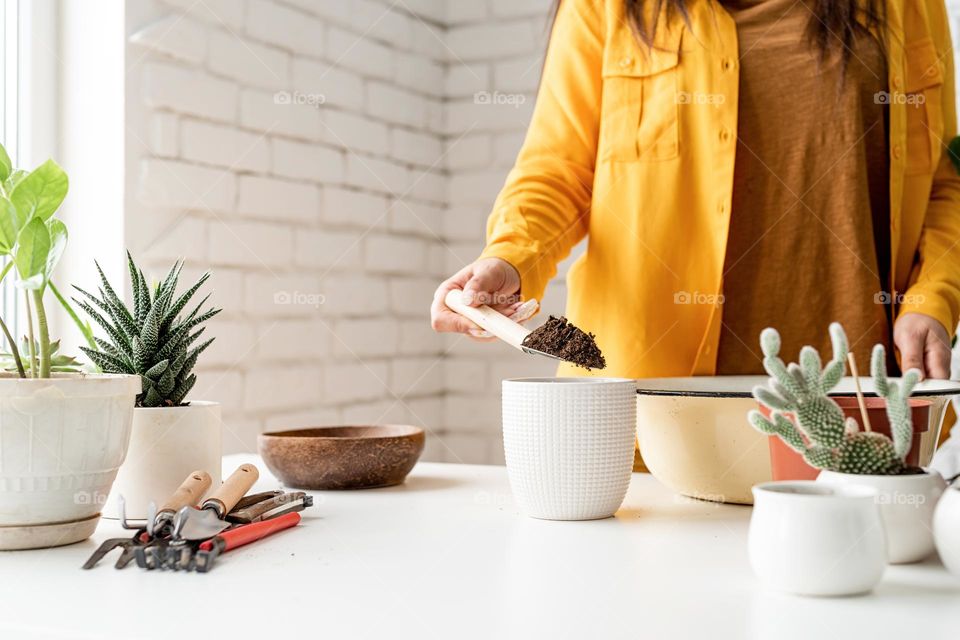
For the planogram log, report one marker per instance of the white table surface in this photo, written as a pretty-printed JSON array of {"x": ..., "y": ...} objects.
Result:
[{"x": 448, "y": 555}]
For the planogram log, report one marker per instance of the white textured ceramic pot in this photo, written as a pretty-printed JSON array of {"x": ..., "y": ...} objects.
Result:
[
  {"x": 906, "y": 504},
  {"x": 946, "y": 528},
  {"x": 810, "y": 538},
  {"x": 61, "y": 442},
  {"x": 167, "y": 444},
  {"x": 568, "y": 444}
]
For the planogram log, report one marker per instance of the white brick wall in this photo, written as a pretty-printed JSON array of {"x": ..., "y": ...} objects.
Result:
[{"x": 330, "y": 163}]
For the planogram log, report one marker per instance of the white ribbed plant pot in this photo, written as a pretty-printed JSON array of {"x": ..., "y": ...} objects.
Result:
[
  {"x": 568, "y": 444},
  {"x": 166, "y": 445},
  {"x": 61, "y": 442}
]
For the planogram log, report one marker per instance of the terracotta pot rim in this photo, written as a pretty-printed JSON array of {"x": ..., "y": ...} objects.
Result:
[
  {"x": 876, "y": 402},
  {"x": 317, "y": 434}
]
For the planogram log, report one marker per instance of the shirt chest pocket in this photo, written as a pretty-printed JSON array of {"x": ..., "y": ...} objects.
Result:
[
  {"x": 639, "y": 118},
  {"x": 923, "y": 102}
]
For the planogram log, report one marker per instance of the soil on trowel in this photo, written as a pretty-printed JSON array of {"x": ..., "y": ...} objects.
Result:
[{"x": 558, "y": 337}]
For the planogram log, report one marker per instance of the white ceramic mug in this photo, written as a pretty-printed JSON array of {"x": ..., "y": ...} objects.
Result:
[
  {"x": 811, "y": 538},
  {"x": 946, "y": 528},
  {"x": 569, "y": 444},
  {"x": 906, "y": 505}
]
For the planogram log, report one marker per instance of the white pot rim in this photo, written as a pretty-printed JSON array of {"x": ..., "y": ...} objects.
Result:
[
  {"x": 899, "y": 478},
  {"x": 192, "y": 404},
  {"x": 71, "y": 384},
  {"x": 569, "y": 380},
  {"x": 813, "y": 490}
]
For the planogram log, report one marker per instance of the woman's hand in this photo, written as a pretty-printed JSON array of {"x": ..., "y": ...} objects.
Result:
[
  {"x": 924, "y": 344},
  {"x": 490, "y": 281}
]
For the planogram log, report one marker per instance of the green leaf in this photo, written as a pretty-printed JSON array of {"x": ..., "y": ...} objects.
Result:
[
  {"x": 15, "y": 178},
  {"x": 41, "y": 192},
  {"x": 5, "y": 165},
  {"x": 9, "y": 225},
  {"x": 33, "y": 248},
  {"x": 58, "y": 241}
]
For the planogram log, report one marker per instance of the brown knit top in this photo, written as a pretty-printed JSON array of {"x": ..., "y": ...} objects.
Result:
[{"x": 809, "y": 232}]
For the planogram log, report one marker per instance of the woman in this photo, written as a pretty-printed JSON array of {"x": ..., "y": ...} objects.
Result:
[{"x": 736, "y": 165}]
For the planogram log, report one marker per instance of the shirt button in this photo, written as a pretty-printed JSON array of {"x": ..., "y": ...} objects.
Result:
[
  {"x": 726, "y": 64},
  {"x": 724, "y": 134},
  {"x": 897, "y": 83},
  {"x": 625, "y": 62},
  {"x": 721, "y": 208},
  {"x": 897, "y": 151}
]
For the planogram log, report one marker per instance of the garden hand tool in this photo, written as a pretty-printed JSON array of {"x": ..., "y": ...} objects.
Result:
[
  {"x": 495, "y": 322},
  {"x": 158, "y": 523},
  {"x": 188, "y": 493},
  {"x": 208, "y": 520},
  {"x": 254, "y": 498},
  {"x": 208, "y": 550},
  {"x": 272, "y": 507}
]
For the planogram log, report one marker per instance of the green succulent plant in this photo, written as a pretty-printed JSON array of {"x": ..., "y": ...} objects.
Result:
[
  {"x": 152, "y": 339},
  {"x": 812, "y": 424},
  {"x": 59, "y": 362}
]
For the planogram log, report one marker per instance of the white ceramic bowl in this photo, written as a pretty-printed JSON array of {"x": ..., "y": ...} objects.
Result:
[
  {"x": 695, "y": 438},
  {"x": 568, "y": 444},
  {"x": 906, "y": 504},
  {"x": 814, "y": 539},
  {"x": 946, "y": 528}
]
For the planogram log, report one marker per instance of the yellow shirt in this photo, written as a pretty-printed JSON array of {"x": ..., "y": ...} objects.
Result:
[{"x": 635, "y": 147}]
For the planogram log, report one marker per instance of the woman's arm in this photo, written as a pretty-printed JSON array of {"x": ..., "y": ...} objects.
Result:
[
  {"x": 543, "y": 209},
  {"x": 935, "y": 292}
]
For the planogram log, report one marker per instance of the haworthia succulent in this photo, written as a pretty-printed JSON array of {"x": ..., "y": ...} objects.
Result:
[{"x": 153, "y": 339}]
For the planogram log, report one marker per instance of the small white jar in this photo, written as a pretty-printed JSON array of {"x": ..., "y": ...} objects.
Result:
[
  {"x": 906, "y": 506},
  {"x": 946, "y": 528},
  {"x": 809, "y": 538}
]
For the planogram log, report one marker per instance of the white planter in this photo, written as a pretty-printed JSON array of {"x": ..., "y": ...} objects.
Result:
[
  {"x": 946, "y": 528},
  {"x": 167, "y": 444},
  {"x": 906, "y": 504},
  {"x": 568, "y": 444},
  {"x": 61, "y": 442},
  {"x": 809, "y": 538}
]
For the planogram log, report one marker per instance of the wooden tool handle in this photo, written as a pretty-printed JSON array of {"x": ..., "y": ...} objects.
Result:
[
  {"x": 493, "y": 321},
  {"x": 252, "y": 532},
  {"x": 190, "y": 492},
  {"x": 234, "y": 488}
]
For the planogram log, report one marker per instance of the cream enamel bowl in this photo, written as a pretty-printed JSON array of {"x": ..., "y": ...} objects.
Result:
[{"x": 695, "y": 439}]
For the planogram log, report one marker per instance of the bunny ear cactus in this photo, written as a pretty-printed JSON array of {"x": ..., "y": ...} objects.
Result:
[{"x": 810, "y": 423}]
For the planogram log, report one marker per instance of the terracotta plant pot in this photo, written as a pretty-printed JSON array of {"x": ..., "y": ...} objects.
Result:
[{"x": 787, "y": 464}]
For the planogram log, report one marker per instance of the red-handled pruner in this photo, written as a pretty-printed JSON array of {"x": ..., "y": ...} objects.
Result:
[{"x": 238, "y": 537}]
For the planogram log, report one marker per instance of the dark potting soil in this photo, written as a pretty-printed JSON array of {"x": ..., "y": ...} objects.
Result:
[{"x": 560, "y": 338}]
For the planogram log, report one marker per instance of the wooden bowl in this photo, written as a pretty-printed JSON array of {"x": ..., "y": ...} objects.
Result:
[{"x": 348, "y": 457}]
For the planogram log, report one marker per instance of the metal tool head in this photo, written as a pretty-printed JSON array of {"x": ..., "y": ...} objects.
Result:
[
  {"x": 199, "y": 524},
  {"x": 536, "y": 352},
  {"x": 122, "y": 504},
  {"x": 105, "y": 547},
  {"x": 151, "y": 517}
]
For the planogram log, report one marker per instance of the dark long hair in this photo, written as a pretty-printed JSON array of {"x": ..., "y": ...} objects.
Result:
[{"x": 833, "y": 23}]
